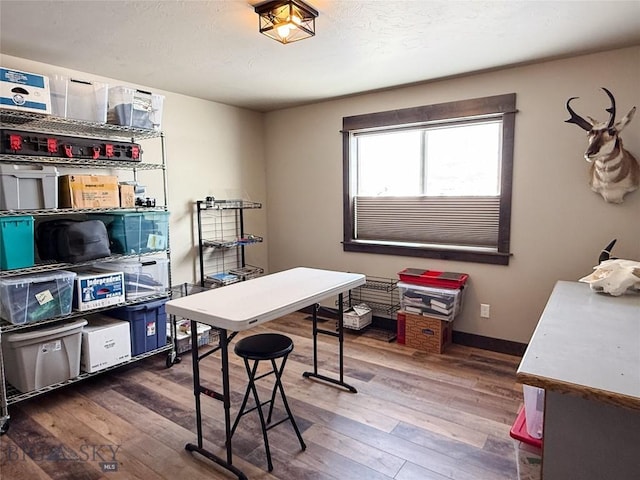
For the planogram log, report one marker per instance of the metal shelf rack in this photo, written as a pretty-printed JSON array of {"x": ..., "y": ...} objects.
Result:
[
  {"x": 222, "y": 240},
  {"x": 55, "y": 125},
  {"x": 381, "y": 295}
]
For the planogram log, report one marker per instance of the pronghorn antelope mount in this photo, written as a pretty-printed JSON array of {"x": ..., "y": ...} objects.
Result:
[{"x": 614, "y": 171}]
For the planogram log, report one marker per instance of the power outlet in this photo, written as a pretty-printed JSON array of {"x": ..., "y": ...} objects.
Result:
[{"x": 485, "y": 310}]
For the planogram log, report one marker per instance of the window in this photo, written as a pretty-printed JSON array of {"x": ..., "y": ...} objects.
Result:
[{"x": 431, "y": 181}]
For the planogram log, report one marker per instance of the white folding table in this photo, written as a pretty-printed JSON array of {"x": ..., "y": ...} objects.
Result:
[{"x": 243, "y": 305}]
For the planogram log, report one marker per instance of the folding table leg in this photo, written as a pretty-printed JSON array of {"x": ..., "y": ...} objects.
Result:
[{"x": 340, "y": 335}]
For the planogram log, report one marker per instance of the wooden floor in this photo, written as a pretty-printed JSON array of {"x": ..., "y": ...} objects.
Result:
[{"x": 416, "y": 416}]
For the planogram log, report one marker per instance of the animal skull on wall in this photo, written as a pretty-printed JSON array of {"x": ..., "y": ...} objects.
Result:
[{"x": 614, "y": 172}]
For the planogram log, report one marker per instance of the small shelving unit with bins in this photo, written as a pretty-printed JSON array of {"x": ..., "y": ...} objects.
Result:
[
  {"x": 33, "y": 122},
  {"x": 222, "y": 240}
]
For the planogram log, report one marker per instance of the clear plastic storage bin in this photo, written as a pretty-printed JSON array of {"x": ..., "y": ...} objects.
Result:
[
  {"x": 534, "y": 409},
  {"x": 79, "y": 99},
  {"x": 135, "y": 108},
  {"x": 148, "y": 276},
  {"x": 37, "y": 296},
  {"x": 442, "y": 303}
]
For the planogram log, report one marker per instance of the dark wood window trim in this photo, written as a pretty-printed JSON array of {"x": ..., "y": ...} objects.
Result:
[{"x": 505, "y": 105}]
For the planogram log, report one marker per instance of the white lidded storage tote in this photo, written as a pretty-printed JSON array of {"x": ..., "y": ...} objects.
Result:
[{"x": 43, "y": 356}]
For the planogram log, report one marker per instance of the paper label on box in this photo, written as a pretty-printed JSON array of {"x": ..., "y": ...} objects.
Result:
[
  {"x": 156, "y": 242},
  {"x": 151, "y": 329},
  {"x": 51, "y": 346},
  {"x": 44, "y": 297}
]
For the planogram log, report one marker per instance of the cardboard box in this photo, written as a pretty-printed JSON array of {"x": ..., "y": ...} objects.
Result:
[
  {"x": 358, "y": 317},
  {"x": 401, "y": 321},
  {"x": 98, "y": 289},
  {"x": 24, "y": 91},
  {"x": 428, "y": 334},
  {"x": 89, "y": 191},
  {"x": 105, "y": 342},
  {"x": 127, "y": 196}
]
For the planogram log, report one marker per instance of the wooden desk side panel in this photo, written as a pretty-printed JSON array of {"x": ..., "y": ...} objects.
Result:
[{"x": 589, "y": 440}]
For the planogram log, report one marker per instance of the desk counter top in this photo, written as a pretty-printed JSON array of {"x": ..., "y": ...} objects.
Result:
[
  {"x": 242, "y": 305},
  {"x": 587, "y": 344}
]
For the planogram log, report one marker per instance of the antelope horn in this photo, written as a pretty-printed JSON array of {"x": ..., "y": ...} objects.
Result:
[
  {"x": 605, "y": 254},
  {"x": 612, "y": 109},
  {"x": 577, "y": 119}
]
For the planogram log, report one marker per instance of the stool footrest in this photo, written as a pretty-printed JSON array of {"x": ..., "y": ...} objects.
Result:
[
  {"x": 211, "y": 393},
  {"x": 271, "y": 425}
]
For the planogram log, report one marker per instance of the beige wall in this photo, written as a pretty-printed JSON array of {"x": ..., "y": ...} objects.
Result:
[
  {"x": 211, "y": 149},
  {"x": 559, "y": 225}
]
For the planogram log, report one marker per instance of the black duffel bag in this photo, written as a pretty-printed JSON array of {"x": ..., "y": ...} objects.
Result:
[{"x": 72, "y": 241}]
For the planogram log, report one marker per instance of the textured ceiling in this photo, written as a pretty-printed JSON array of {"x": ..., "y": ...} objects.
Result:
[{"x": 212, "y": 49}]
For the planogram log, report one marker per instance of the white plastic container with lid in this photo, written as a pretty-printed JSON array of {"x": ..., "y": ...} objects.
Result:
[
  {"x": 43, "y": 356},
  {"x": 534, "y": 409}
]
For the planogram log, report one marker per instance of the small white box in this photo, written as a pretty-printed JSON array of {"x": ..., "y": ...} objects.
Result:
[
  {"x": 105, "y": 342},
  {"x": 98, "y": 289},
  {"x": 358, "y": 317},
  {"x": 24, "y": 91}
]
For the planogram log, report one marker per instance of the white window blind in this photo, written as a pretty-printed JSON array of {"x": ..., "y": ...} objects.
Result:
[{"x": 461, "y": 221}]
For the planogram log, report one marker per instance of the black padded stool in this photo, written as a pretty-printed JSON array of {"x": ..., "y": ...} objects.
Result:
[{"x": 265, "y": 346}]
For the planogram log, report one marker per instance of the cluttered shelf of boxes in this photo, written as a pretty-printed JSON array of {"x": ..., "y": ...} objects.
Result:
[{"x": 84, "y": 258}]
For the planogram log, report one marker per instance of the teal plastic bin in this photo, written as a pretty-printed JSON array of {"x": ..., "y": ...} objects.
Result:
[
  {"x": 16, "y": 242},
  {"x": 136, "y": 232}
]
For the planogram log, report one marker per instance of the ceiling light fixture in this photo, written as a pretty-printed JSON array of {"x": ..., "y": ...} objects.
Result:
[{"x": 287, "y": 20}]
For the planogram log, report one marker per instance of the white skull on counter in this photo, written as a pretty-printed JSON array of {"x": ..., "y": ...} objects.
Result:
[{"x": 614, "y": 277}]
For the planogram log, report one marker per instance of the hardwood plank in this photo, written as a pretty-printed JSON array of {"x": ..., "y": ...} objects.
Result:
[
  {"x": 378, "y": 460},
  {"x": 93, "y": 448},
  {"x": 411, "y": 471},
  {"x": 416, "y": 416},
  {"x": 15, "y": 463},
  {"x": 57, "y": 459}
]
